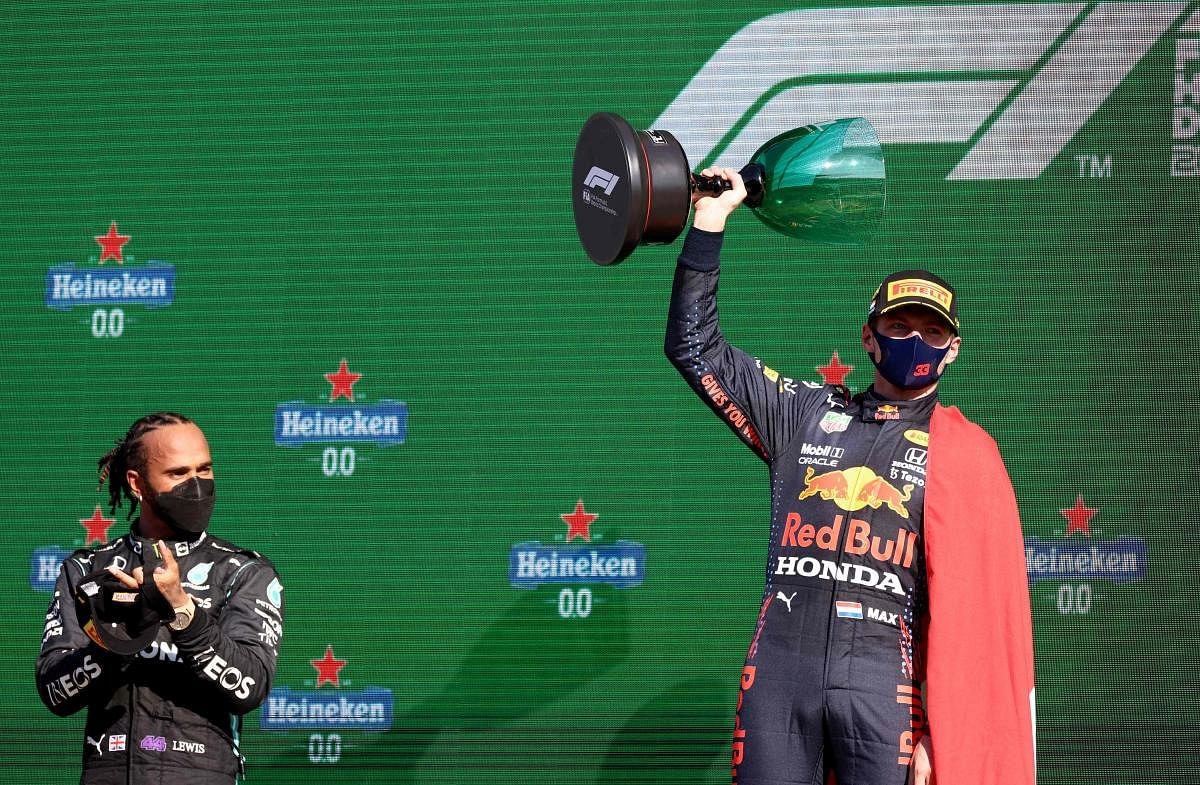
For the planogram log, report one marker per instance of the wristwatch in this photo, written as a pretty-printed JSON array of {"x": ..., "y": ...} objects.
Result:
[{"x": 183, "y": 615}]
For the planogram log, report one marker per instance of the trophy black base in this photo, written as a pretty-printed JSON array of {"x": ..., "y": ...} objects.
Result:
[{"x": 629, "y": 188}]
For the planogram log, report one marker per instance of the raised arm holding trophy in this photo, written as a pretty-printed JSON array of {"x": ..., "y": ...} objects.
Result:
[
  {"x": 820, "y": 182},
  {"x": 896, "y": 610}
]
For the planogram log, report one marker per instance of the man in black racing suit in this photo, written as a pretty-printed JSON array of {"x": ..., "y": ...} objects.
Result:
[
  {"x": 172, "y": 711},
  {"x": 832, "y": 681}
]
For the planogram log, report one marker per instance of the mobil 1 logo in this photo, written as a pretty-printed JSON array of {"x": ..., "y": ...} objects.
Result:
[
  {"x": 108, "y": 284},
  {"x": 341, "y": 425}
]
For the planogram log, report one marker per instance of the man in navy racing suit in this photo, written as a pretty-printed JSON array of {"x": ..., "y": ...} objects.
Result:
[
  {"x": 832, "y": 680},
  {"x": 170, "y": 712}
]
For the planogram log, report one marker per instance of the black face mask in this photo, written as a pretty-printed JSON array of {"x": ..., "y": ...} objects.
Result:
[{"x": 187, "y": 507}]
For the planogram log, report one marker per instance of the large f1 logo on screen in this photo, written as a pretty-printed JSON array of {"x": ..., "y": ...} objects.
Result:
[{"x": 1017, "y": 81}]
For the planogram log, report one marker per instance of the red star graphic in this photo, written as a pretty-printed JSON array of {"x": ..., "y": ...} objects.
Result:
[
  {"x": 578, "y": 522},
  {"x": 343, "y": 382},
  {"x": 328, "y": 667},
  {"x": 110, "y": 244},
  {"x": 1079, "y": 517},
  {"x": 834, "y": 372},
  {"x": 97, "y": 527}
]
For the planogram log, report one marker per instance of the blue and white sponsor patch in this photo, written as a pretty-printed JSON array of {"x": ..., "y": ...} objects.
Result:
[
  {"x": 621, "y": 564},
  {"x": 849, "y": 610},
  {"x": 275, "y": 593},
  {"x": 152, "y": 286},
  {"x": 199, "y": 573},
  {"x": 44, "y": 565},
  {"x": 287, "y": 709},
  {"x": 384, "y": 423}
]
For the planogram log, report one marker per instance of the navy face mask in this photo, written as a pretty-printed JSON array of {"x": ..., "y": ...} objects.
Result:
[
  {"x": 188, "y": 506},
  {"x": 909, "y": 363}
]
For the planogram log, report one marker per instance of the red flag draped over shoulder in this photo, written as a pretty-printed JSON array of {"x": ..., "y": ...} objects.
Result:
[{"x": 979, "y": 643}]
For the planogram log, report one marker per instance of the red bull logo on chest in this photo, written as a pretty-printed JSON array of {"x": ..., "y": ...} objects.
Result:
[
  {"x": 859, "y": 539},
  {"x": 855, "y": 488}
]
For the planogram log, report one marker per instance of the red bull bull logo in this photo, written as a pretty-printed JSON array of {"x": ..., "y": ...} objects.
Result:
[{"x": 855, "y": 488}]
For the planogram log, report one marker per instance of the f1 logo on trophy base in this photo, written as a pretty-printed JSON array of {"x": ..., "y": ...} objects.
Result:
[{"x": 822, "y": 182}]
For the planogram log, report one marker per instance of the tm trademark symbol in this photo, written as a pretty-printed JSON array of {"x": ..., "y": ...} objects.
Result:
[{"x": 1094, "y": 166}]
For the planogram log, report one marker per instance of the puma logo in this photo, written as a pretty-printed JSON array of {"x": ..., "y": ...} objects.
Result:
[
  {"x": 787, "y": 600},
  {"x": 96, "y": 743}
]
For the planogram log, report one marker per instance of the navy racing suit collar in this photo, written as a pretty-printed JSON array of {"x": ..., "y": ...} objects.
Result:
[{"x": 875, "y": 408}]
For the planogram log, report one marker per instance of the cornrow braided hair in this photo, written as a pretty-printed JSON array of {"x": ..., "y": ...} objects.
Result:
[{"x": 130, "y": 454}]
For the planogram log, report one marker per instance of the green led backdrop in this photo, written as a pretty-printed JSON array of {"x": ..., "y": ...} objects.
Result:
[{"x": 364, "y": 207}]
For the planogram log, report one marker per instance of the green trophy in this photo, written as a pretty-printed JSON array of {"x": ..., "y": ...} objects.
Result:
[{"x": 823, "y": 182}]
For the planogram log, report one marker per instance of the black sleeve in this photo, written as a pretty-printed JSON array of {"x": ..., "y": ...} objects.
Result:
[
  {"x": 235, "y": 655},
  {"x": 757, "y": 403},
  {"x": 71, "y": 667}
]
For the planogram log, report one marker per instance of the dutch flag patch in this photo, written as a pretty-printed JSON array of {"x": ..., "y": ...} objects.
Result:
[{"x": 849, "y": 610}]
